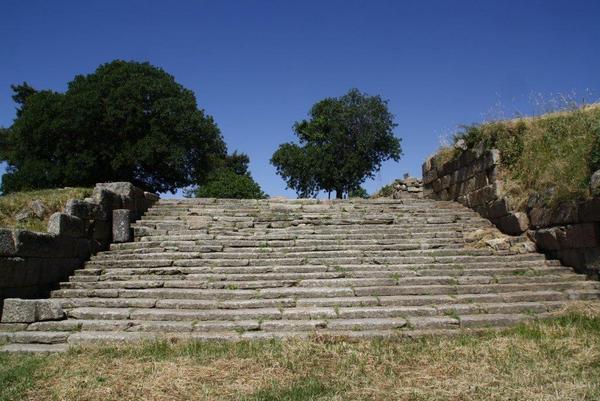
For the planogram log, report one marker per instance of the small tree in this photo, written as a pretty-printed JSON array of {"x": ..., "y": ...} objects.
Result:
[
  {"x": 227, "y": 184},
  {"x": 127, "y": 121},
  {"x": 344, "y": 142},
  {"x": 230, "y": 180}
]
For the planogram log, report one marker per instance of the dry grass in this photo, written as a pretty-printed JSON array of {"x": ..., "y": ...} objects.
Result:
[
  {"x": 553, "y": 360},
  {"x": 53, "y": 199}
]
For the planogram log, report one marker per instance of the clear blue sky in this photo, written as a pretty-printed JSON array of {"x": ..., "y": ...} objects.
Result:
[{"x": 258, "y": 66}]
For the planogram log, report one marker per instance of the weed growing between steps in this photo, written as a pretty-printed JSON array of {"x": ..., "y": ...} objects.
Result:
[{"x": 556, "y": 359}]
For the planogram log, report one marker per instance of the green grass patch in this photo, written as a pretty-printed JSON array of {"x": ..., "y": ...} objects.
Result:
[
  {"x": 17, "y": 374},
  {"x": 53, "y": 199}
]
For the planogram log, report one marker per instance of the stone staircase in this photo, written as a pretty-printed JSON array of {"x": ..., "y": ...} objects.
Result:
[{"x": 245, "y": 269}]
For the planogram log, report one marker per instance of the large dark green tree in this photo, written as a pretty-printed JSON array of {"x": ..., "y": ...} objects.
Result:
[
  {"x": 127, "y": 121},
  {"x": 344, "y": 142}
]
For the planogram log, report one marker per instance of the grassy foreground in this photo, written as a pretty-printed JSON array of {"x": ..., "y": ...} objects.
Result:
[
  {"x": 555, "y": 359},
  {"x": 53, "y": 199}
]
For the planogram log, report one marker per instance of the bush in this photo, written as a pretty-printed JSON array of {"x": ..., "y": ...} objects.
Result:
[{"x": 225, "y": 183}]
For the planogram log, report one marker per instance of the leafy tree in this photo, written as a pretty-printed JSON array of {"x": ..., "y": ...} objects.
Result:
[
  {"x": 230, "y": 179},
  {"x": 359, "y": 192},
  {"x": 225, "y": 183},
  {"x": 344, "y": 142},
  {"x": 127, "y": 121}
]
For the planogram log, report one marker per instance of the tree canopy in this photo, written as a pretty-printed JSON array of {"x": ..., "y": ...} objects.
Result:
[
  {"x": 231, "y": 179},
  {"x": 344, "y": 142},
  {"x": 127, "y": 121}
]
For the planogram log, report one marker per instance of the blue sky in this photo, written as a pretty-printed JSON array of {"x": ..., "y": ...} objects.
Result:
[{"x": 258, "y": 66}]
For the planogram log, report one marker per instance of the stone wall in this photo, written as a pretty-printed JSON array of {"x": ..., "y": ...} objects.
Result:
[
  {"x": 407, "y": 187},
  {"x": 570, "y": 233},
  {"x": 32, "y": 263}
]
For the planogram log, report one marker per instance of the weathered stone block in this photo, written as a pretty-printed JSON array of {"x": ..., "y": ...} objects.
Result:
[
  {"x": 590, "y": 210},
  {"x": 121, "y": 189},
  {"x": 540, "y": 217},
  {"x": 429, "y": 176},
  {"x": 595, "y": 183},
  {"x": 82, "y": 209},
  {"x": 18, "y": 311},
  {"x": 491, "y": 158},
  {"x": 437, "y": 185},
  {"x": 566, "y": 213},
  {"x": 107, "y": 201},
  {"x": 579, "y": 236},
  {"x": 499, "y": 208},
  {"x": 48, "y": 309},
  {"x": 449, "y": 167},
  {"x": 446, "y": 181},
  {"x": 66, "y": 225},
  {"x": 513, "y": 223},
  {"x": 121, "y": 229},
  {"x": 484, "y": 195},
  {"x": 547, "y": 238},
  {"x": 8, "y": 244}
]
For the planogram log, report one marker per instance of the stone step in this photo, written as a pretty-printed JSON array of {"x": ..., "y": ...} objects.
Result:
[
  {"x": 193, "y": 282},
  {"x": 34, "y": 348},
  {"x": 420, "y": 269},
  {"x": 266, "y": 254},
  {"x": 366, "y": 301},
  {"x": 125, "y": 319},
  {"x": 322, "y": 292},
  {"x": 127, "y": 275},
  {"x": 35, "y": 337},
  {"x": 191, "y": 246},
  {"x": 410, "y": 258}
]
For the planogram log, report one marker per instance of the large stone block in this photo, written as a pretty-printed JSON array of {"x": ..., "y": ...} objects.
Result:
[
  {"x": 513, "y": 223},
  {"x": 566, "y": 213},
  {"x": 590, "y": 210},
  {"x": 579, "y": 236},
  {"x": 19, "y": 311},
  {"x": 121, "y": 189},
  {"x": 33, "y": 244},
  {"x": 121, "y": 228},
  {"x": 8, "y": 245},
  {"x": 83, "y": 209},
  {"x": 540, "y": 217},
  {"x": 547, "y": 238},
  {"x": 66, "y": 225},
  {"x": 107, "y": 201},
  {"x": 499, "y": 208},
  {"x": 484, "y": 195},
  {"x": 48, "y": 309},
  {"x": 429, "y": 176}
]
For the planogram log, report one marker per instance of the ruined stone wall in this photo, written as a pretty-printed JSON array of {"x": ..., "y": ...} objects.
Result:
[
  {"x": 32, "y": 263},
  {"x": 570, "y": 233}
]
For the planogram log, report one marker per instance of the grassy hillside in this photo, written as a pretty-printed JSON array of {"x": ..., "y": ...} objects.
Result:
[
  {"x": 53, "y": 199},
  {"x": 553, "y": 154},
  {"x": 556, "y": 359}
]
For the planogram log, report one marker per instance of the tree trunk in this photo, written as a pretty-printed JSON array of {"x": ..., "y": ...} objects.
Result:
[{"x": 339, "y": 193}]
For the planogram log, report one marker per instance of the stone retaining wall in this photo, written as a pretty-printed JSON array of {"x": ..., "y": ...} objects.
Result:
[
  {"x": 32, "y": 263},
  {"x": 570, "y": 233}
]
